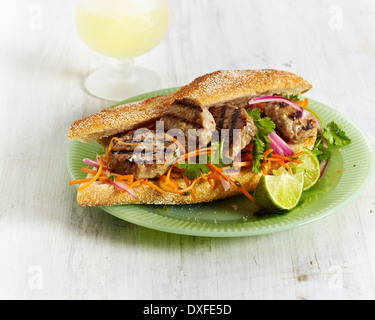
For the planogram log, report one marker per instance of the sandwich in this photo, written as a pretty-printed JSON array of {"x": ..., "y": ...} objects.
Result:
[{"x": 210, "y": 140}]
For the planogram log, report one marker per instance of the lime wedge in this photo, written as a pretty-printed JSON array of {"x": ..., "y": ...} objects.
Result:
[
  {"x": 310, "y": 167},
  {"x": 282, "y": 192}
]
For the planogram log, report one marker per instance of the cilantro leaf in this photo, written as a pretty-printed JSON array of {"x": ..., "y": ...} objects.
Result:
[
  {"x": 193, "y": 170},
  {"x": 293, "y": 97},
  {"x": 254, "y": 114},
  {"x": 265, "y": 126},
  {"x": 322, "y": 153},
  {"x": 335, "y": 135},
  {"x": 258, "y": 151}
]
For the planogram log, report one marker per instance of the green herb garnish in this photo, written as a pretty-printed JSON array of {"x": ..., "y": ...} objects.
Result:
[
  {"x": 265, "y": 126},
  {"x": 195, "y": 170},
  {"x": 333, "y": 136}
]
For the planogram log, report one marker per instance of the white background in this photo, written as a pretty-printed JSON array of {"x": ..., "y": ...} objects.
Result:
[{"x": 52, "y": 249}]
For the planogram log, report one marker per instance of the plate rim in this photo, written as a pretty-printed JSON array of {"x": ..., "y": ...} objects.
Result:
[{"x": 238, "y": 233}]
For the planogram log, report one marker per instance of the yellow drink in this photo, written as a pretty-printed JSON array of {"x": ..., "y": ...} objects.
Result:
[{"x": 122, "y": 29}]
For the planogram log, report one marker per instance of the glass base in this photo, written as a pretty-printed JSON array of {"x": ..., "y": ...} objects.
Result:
[{"x": 114, "y": 85}]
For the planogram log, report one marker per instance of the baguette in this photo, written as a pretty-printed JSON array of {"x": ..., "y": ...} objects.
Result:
[{"x": 215, "y": 89}]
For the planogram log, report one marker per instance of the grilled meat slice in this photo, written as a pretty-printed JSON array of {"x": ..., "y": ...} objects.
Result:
[
  {"x": 231, "y": 118},
  {"x": 188, "y": 114},
  {"x": 288, "y": 122},
  {"x": 143, "y": 153}
]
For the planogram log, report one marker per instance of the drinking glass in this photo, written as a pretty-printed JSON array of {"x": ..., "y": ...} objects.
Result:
[{"x": 122, "y": 30}]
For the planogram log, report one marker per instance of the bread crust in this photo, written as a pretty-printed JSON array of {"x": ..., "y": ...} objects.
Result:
[
  {"x": 237, "y": 86},
  {"x": 119, "y": 119}
]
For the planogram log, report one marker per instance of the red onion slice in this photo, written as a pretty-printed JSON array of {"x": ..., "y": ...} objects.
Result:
[
  {"x": 123, "y": 187},
  {"x": 226, "y": 184},
  {"x": 275, "y": 147},
  {"x": 276, "y": 99},
  {"x": 91, "y": 163},
  {"x": 96, "y": 164},
  {"x": 279, "y": 146},
  {"x": 323, "y": 167}
]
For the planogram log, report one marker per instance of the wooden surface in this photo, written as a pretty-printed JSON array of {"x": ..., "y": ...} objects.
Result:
[{"x": 52, "y": 249}]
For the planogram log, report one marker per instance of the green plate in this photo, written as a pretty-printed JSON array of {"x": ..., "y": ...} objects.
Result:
[{"x": 236, "y": 217}]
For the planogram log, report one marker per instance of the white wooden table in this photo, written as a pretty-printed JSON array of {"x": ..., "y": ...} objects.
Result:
[{"x": 50, "y": 248}]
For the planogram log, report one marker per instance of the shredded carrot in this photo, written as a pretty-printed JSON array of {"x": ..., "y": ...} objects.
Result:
[
  {"x": 173, "y": 184},
  {"x": 306, "y": 103},
  {"x": 125, "y": 143},
  {"x": 103, "y": 178},
  {"x": 248, "y": 195},
  {"x": 193, "y": 193},
  {"x": 267, "y": 153},
  {"x": 135, "y": 184},
  {"x": 212, "y": 176},
  {"x": 297, "y": 155},
  {"x": 227, "y": 178},
  {"x": 210, "y": 182},
  {"x": 109, "y": 150},
  {"x": 176, "y": 142},
  {"x": 186, "y": 180},
  {"x": 181, "y": 191},
  {"x": 340, "y": 171},
  {"x": 217, "y": 170},
  {"x": 264, "y": 171},
  {"x": 282, "y": 158},
  {"x": 193, "y": 155},
  {"x": 284, "y": 165},
  {"x": 155, "y": 187},
  {"x": 89, "y": 170},
  {"x": 298, "y": 161},
  {"x": 79, "y": 181},
  {"x": 126, "y": 177},
  {"x": 95, "y": 178},
  {"x": 274, "y": 159},
  {"x": 244, "y": 191},
  {"x": 169, "y": 175},
  {"x": 176, "y": 175}
]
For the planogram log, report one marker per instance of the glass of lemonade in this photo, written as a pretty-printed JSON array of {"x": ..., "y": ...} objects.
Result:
[{"x": 122, "y": 30}]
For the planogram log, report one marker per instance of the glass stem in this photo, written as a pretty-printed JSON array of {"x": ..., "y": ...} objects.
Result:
[{"x": 123, "y": 69}]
